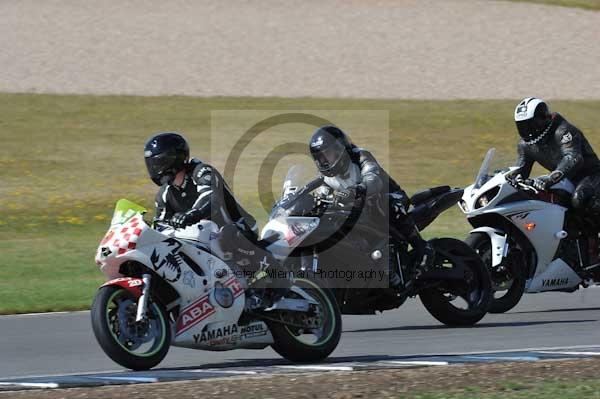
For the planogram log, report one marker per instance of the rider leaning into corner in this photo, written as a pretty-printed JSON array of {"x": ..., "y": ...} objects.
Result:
[
  {"x": 561, "y": 148},
  {"x": 350, "y": 171},
  {"x": 191, "y": 191}
]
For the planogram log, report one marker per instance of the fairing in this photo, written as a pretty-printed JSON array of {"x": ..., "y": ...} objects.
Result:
[{"x": 186, "y": 261}]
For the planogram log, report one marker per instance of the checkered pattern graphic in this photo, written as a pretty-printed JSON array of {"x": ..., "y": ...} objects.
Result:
[{"x": 125, "y": 236}]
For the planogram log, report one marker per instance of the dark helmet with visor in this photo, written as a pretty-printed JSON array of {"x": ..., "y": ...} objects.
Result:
[
  {"x": 532, "y": 117},
  {"x": 165, "y": 155},
  {"x": 330, "y": 149}
]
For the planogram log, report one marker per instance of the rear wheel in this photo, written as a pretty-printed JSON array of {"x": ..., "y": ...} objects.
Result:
[
  {"x": 508, "y": 278},
  {"x": 461, "y": 301},
  {"x": 134, "y": 345},
  {"x": 310, "y": 336}
]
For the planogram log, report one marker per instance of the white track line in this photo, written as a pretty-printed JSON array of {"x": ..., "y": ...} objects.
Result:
[
  {"x": 534, "y": 349},
  {"x": 417, "y": 363},
  {"x": 505, "y": 358},
  {"x": 222, "y": 371},
  {"x": 82, "y": 374},
  {"x": 136, "y": 379},
  {"x": 30, "y": 384},
  {"x": 319, "y": 368},
  {"x": 538, "y": 349}
]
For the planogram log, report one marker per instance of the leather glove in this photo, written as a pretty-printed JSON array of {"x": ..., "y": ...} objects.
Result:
[
  {"x": 514, "y": 179},
  {"x": 353, "y": 196},
  {"x": 360, "y": 196},
  {"x": 544, "y": 182},
  {"x": 184, "y": 219},
  {"x": 361, "y": 190}
]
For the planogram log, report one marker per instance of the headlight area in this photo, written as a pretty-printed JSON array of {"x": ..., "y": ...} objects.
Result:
[
  {"x": 487, "y": 197},
  {"x": 462, "y": 204}
]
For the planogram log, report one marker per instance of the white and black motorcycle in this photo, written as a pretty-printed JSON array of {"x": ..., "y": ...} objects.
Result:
[
  {"x": 530, "y": 239},
  {"x": 172, "y": 287},
  {"x": 359, "y": 257}
]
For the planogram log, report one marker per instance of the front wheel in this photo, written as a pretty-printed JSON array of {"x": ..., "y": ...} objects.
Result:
[
  {"x": 508, "y": 278},
  {"x": 312, "y": 336},
  {"x": 465, "y": 298},
  {"x": 134, "y": 345}
]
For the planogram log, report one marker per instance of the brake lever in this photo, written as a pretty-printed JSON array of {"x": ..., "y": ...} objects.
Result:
[{"x": 528, "y": 187}]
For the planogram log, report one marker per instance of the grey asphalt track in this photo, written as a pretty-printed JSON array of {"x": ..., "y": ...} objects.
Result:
[{"x": 63, "y": 343}]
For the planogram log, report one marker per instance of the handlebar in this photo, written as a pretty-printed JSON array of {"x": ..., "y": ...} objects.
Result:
[
  {"x": 528, "y": 187},
  {"x": 522, "y": 184},
  {"x": 329, "y": 207}
]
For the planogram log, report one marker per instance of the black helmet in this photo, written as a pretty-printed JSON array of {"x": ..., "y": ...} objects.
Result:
[
  {"x": 532, "y": 117},
  {"x": 330, "y": 148},
  {"x": 165, "y": 155}
]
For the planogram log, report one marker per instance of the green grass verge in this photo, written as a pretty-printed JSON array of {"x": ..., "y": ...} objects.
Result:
[
  {"x": 585, "y": 4},
  {"x": 518, "y": 389},
  {"x": 65, "y": 160}
]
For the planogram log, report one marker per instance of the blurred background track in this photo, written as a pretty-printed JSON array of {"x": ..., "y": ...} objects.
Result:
[{"x": 411, "y": 49}]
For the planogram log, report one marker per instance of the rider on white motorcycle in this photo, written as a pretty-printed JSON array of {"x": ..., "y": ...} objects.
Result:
[
  {"x": 557, "y": 145},
  {"x": 191, "y": 191}
]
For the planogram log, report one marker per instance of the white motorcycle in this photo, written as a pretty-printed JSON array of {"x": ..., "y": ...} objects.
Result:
[
  {"x": 172, "y": 287},
  {"x": 530, "y": 239}
]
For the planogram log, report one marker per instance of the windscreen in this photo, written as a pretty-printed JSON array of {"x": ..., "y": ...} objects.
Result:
[
  {"x": 483, "y": 174},
  {"x": 125, "y": 210},
  {"x": 297, "y": 177}
]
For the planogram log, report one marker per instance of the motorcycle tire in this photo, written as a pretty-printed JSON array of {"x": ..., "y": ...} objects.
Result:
[
  {"x": 439, "y": 303},
  {"x": 287, "y": 340},
  {"x": 106, "y": 326}
]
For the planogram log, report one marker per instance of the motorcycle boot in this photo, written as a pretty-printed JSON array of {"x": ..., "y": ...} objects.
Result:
[{"x": 424, "y": 253}]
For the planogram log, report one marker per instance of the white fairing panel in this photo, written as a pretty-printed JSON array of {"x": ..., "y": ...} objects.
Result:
[
  {"x": 291, "y": 230},
  {"x": 498, "y": 242},
  {"x": 222, "y": 336},
  {"x": 558, "y": 275},
  {"x": 540, "y": 223}
]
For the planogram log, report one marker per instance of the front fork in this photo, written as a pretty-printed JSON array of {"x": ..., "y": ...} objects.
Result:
[{"x": 143, "y": 301}]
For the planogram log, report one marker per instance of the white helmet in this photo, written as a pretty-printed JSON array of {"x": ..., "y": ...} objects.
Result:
[{"x": 532, "y": 116}]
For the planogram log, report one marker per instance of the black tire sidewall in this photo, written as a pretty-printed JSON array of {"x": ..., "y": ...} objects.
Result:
[
  {"x": 107, "y": 341},
  {"x": 445, "y": 312}
]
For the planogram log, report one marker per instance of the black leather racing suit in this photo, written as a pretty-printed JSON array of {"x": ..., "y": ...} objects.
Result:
[
  {"x": 564, "y": 149},
  {"x": 205, "y": 193},
  {"x": 375, "y": 182}
]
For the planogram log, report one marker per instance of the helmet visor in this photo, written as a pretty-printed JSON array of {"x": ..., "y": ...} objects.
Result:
[
  {"x": 160, "y": 164},
  {"x": 531, "y": 129},
  {"x": 526, "y": 129},
  {"x": 328, "y": 157}
]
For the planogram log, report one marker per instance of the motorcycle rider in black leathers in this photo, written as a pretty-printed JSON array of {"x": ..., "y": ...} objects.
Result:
[
  {"x": 350, "y": 171},
  {"x": 191, "y": 191},
  {"x": 561, "y": 148}
]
